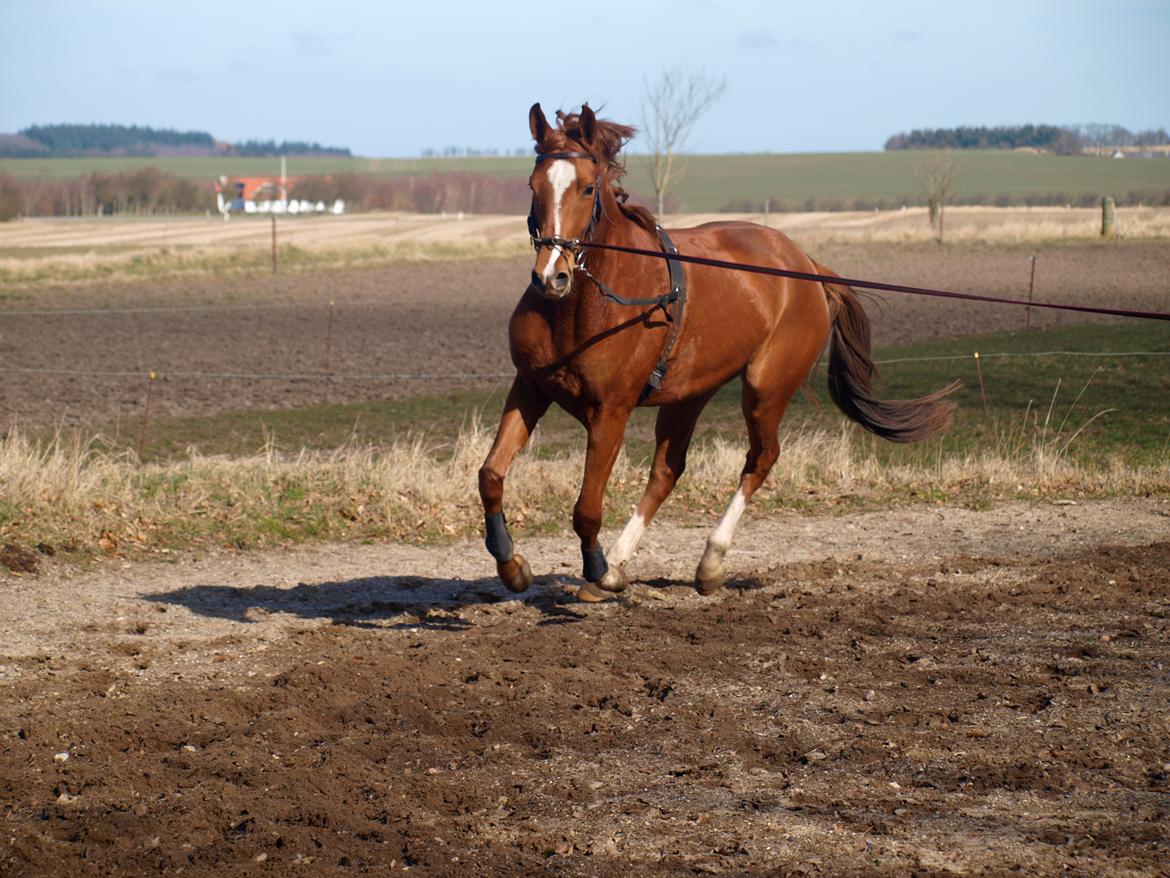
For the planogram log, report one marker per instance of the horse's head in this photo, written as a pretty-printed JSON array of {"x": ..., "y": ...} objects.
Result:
[{"x": 566, "y": 197}]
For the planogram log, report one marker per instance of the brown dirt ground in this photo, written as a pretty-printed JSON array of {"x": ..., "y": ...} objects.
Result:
[
  {"x": 923, "y": 691},
  {"x": 441, "y": 326}
]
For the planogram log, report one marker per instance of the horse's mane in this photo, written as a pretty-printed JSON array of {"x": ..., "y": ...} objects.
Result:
[{"x": 608, "y": 140}]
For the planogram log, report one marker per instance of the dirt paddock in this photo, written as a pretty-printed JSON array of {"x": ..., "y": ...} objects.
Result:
[{"x": 926, "y": 691}]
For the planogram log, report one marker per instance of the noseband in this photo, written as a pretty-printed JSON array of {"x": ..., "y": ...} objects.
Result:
[{"x": 571, "y": 244}]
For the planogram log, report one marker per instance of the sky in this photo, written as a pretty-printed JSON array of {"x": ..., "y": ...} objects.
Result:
[{"x": 393, "y": 79}]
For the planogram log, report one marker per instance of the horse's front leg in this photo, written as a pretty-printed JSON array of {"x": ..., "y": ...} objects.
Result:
[
  {"x": 522, "y": 409},
  {"x": 605, "y": 440}
]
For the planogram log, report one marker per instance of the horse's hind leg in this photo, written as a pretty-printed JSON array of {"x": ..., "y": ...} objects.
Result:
[
  {"x": 672, "y": 435},
  {"x": 763, "y": 409}
]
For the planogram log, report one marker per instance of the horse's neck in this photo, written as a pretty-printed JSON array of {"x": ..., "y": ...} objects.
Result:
[{"x": 609, "y": 266}]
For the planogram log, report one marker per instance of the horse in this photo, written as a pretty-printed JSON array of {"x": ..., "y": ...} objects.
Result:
[{"x": 598, "y": 355}]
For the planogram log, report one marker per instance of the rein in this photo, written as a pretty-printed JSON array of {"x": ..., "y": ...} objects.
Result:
[{"x": 866, "y": 284}]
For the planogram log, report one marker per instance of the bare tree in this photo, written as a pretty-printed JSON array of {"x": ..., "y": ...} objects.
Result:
[
  {"x": 937, "y": 173},
  {"x": 673, "y": 103}
]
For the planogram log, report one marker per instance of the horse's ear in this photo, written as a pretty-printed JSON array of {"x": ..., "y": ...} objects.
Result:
[
  {"x": 537, "y": 124},
  {"x": 588, "y": 124}
]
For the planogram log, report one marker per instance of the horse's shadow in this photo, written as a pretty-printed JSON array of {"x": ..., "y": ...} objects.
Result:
[{"x": 387, "y": 602}]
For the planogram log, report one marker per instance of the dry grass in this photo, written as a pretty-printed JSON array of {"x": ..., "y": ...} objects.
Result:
[
  {"x": 70, "y": 494},
  {"x": 990, "y": 225},
  {"x": 55, "y": 251},
  {"x": 94, "y": 266}
]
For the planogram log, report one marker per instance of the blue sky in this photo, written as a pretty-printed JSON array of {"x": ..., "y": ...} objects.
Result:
[{"x": 392, "y": 79}]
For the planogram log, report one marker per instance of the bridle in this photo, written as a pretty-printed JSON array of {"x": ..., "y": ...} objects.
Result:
[
  {"x": 573, "y": 245},
  {"x": 671, "y": 302}
]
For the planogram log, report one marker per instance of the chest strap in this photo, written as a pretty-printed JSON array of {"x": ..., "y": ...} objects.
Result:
[{"x": 671, "y": 302}]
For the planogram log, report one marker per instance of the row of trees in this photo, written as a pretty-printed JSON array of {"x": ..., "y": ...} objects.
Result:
[
  {"x": 53, "y": 141},
  {"x": 449, "y": 192},
  {"x": 1116, "y": 135},
  {"x": 1062, "y": 140},
  {"x": 149, "y": 191},
  {"x": 264, "y": 148},
  {"x": 66, "y": 140},
  {"x": 142, "y": 191},
  {"x": 450, "y": 152}
]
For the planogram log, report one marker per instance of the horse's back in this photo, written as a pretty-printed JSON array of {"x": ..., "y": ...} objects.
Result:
[{"x": 734, "y": 316}]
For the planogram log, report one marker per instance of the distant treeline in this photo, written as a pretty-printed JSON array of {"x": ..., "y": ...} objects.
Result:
[
  {"x": 150, "y": 191},
  {"x": 147, "y": 191},
  {"x": 1062, "y": 140},
  {"x": 142, "y": 191},
  {"x": 65, "y": 141},
  {"x": 264, "y": 148}
]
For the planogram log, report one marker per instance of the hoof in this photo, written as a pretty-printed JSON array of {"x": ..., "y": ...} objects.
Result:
[
  {"x": 614, "y": 581},
  {"x": 515, "y": 573},
  {"x": 591, "y": 593},
  {"x": 709, "y": 586}
]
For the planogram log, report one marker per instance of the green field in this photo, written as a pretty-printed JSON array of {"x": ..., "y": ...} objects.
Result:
[{"x": 715, "y": 182}]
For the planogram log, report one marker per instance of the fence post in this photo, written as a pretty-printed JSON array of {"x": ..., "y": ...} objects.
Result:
[
  {"x": 982, "y": 386},
  {"x": 1107, "y": 215},
  {"x": 329, "y": 338},
  {"x": 146, "y": 413},
  {"x": 1031, "y": 287},
  {"x": 273, "y": 217}
]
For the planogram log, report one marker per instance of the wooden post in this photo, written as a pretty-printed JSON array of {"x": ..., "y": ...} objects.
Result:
[
  {"x": 146, "y": 413},
  {"x": 329, "y": 338},
  {"x": 767, "y": 209},
  {"x": 1031, "y": 287},
  {"x": 273, "y": 217},
  {"x": 1107, "y": 216},
  {"x": 982, "y": 387}
]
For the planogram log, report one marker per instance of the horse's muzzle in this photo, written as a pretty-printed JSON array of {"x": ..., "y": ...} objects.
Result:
[{"x": 556, "y": 287}]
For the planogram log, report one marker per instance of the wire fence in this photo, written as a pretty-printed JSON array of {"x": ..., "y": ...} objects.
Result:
[
  {"x": 456, "y": 377},
  {"x": 270, "y": 376},
  {"x": 431, "y": 380},
  {"x": 174, "y": 309}
]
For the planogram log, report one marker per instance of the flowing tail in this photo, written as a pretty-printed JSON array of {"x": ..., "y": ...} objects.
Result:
[{"x": 851, "y": 370}]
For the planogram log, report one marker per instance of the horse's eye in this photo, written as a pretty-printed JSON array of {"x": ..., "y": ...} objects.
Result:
[{"x": 588, "y": 190}]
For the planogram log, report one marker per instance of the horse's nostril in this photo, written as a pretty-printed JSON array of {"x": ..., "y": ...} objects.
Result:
[{"x": 561, "y": 281}]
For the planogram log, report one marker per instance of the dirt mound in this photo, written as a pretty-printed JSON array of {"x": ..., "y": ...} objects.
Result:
[{"x": 919, "y": 691}]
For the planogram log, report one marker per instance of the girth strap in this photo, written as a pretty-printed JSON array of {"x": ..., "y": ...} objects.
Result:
[
  {"x": 678, "y": 290},
  {"x": 671, "y": 302}
]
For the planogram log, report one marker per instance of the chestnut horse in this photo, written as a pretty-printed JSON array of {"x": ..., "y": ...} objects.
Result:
[{"x": 577, "y": 342}]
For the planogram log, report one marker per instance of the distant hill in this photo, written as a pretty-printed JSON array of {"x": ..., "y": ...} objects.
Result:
[{"x": 67, "y": 141}]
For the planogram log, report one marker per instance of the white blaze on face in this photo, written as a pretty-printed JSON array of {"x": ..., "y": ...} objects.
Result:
[{"x": 561, "y": 175}]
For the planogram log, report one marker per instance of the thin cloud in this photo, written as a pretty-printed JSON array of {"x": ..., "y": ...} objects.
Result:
[
  {"x": 314, "y": 44},
  {"x": 906, "y": 36},
  {"x": 176, "y": 74},
  {"x": 756, "y": 39}
]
